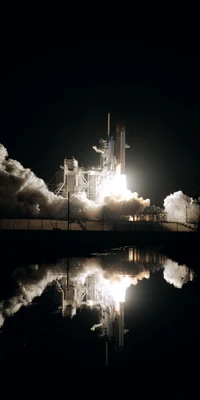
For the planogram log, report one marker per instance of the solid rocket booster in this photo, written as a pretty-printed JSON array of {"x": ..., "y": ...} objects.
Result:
[
  {"x": 108, "y": 125},
  {"x": 120, "y": 146}
]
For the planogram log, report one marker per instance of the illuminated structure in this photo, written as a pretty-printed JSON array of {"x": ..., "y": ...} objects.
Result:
[
  {"x": 75, "y": 179},
  {"x": 94, "y": 291}
]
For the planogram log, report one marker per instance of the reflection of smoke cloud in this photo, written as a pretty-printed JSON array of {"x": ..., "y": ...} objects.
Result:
[
  {"x": 95, "y": 326},
  {"x": 177, "y": 275},
  {"x": 110, "y": 283},
  {"x": 181, "y": 208},
  {"x": 33, "y": 280},
  {"x": 1, "y": 316},
  {"x": 31, "y": 283},
  {"x": 109, "y": 287},
  {"x": 143, "y": 274}
]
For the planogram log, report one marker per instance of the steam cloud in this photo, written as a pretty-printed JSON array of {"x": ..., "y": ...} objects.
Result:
[
  {"x": 33, "y": 280},
  {"x": 181, "y": 208},
  {"x": 23, "y": 194},
  {"x": 123, "y": 206}
]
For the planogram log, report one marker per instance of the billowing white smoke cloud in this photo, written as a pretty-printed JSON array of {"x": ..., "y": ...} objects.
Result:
[
  {"x": 23, "y": 194},
  {"x": 177, "y": 275},
  {"x": 126, "y": 206},
  {"x": 181, "y": 208}
]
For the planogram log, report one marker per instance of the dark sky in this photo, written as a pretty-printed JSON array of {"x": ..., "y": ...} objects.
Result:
[{"x": 55, "y": 100}]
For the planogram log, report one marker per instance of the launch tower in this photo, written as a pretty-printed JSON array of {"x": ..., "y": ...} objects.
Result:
[{"x": 77, "y": 179}]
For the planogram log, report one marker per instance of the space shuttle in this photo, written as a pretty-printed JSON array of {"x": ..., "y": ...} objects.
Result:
[
  {"x": 120, "y": 147},
  {"x": 112, "y": 149}
]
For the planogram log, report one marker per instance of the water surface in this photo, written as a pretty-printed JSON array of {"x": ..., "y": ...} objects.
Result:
[{"x": 69, "y": 309}]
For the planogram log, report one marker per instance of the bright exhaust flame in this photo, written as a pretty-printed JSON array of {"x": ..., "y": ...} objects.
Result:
[
  {"x": 115, "y": 186},
  {"x": 119, "y": 185},
  {"x": 121, "y": 200}
]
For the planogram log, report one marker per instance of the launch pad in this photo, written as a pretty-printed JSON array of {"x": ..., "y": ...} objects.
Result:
[{"x": 94, "y": 181}]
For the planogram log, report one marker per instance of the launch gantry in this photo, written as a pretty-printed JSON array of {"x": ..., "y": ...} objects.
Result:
[
  {"x": 88, "y": 292},
  {"x": 77, "y": 179}
]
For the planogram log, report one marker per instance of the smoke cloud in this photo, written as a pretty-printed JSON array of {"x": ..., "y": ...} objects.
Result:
[
  {"x": 126, "y": 206},
  {"x": 181, "y": 208},
  {"x": 23, "y": 194}
]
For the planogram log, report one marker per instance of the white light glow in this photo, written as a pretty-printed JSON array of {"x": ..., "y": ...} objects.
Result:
[
  {"x": 120, "y": 200},
  {"x": 110, "y": 290},
  {"x": 119, "y": 185},
  {"x": 90, "y": 303},
  {"x": 116, "y": 187},
  {"x": 28, "y": 196},
  {"x": 118, "y": 288}
]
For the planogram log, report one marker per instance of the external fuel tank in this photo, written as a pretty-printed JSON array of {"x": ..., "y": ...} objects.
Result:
[{"x": 120, "y": 146}]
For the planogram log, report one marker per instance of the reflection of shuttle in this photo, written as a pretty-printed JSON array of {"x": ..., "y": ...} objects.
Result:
[
  {"x": 121, "y": 325},
  {"x": 118, "y": 327}
]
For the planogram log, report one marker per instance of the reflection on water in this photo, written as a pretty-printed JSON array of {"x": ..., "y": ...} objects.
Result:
[{"x": 99, "y": 284}]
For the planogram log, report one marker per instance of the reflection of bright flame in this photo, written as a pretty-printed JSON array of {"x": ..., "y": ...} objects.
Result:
[
  {"x": 118, "y": 289},
  {"x": 90, "y": 303},
  {"x": 113, "y": 287},
  {"x": 109, "y": 287},
  {"x": 130, "y": 254}
]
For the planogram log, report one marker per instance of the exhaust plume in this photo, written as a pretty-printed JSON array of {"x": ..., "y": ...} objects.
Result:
[
  {"x": 23, "y": 194},
  {"x": 126, "y": 206}
]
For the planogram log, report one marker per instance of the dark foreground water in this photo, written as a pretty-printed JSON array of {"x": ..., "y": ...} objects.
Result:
[{"x": 65, "y": 315}]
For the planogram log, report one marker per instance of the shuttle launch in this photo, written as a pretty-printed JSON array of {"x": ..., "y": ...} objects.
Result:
[
  {"x": 112, "y": 150},
  {"x": 96, "y": 181},
  {"x": 120, "y": 147}
]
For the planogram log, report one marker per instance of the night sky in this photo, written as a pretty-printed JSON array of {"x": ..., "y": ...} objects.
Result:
[{"x": 55, "y": 100}]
